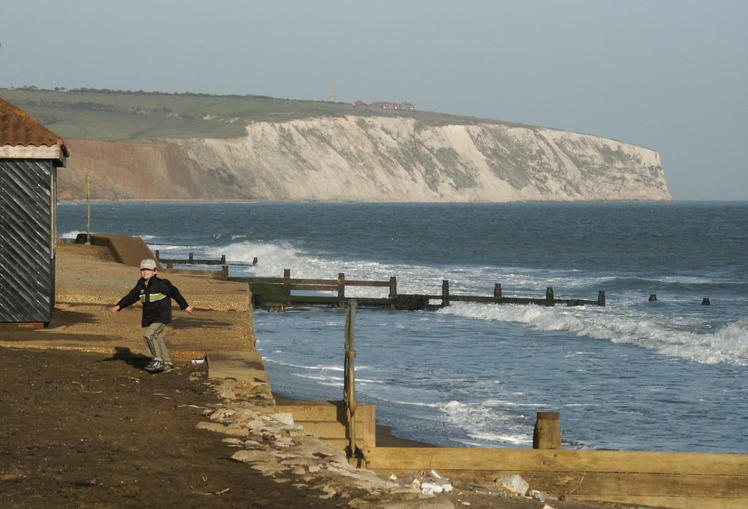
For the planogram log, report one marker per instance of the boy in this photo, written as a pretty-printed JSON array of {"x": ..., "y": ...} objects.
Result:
[{"x": 155, "y": 294}]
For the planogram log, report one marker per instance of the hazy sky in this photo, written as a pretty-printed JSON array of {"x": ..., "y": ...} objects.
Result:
[{"x": 671, "y": 75}]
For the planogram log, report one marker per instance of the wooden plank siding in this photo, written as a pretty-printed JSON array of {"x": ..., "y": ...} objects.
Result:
[{"x": 27, "y": 240}]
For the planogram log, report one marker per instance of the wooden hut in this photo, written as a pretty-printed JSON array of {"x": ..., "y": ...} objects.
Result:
[{"x": 29, "y": 157}]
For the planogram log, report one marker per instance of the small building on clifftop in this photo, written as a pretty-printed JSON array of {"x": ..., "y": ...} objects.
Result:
[{"x": 29, "y": 157}]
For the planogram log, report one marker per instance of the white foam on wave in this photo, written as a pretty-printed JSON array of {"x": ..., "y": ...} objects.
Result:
[
  {"x": 509, "y": 403},
  {"x": 321, "y": 380},
  {"x": 74, "y": 233},
  {"x": 487, "y": 423},
  {"x": 415, "y": 403},
  {"x": 316, "y": 367},
  {"x": 672, "y": 336},
  {"x": 274, "y": 257}
]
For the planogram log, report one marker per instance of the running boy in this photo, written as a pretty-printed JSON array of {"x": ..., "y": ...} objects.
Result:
[{"x": 155, "y": 294}]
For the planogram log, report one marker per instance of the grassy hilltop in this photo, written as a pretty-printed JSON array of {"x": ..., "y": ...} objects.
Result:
[{"x": 149, "y": 116}]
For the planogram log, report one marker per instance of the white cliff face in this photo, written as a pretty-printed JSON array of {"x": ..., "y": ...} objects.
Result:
[{"x": 402, "y": 159}]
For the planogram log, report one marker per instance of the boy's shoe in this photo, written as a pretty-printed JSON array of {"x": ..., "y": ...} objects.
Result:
[
  {"x": 156, "y": 366},
  {"x": 167, "y": 368}
]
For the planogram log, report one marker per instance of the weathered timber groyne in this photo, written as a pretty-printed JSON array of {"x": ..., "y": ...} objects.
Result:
[{"x": 274, "y": 293}]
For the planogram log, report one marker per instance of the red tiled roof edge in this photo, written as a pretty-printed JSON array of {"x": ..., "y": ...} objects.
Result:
[{"x": 19, "y": 128}]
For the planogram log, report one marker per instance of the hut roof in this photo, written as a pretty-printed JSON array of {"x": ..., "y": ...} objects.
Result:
[{"x": 22, "y": 137}]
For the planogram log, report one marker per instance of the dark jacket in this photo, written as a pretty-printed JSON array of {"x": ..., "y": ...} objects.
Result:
[{"x": 156, "y": 298}]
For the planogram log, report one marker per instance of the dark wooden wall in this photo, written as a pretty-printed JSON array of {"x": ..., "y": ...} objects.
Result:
[{"x": 27, "y": 239}]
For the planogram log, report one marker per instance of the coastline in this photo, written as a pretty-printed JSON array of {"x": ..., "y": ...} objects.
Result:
[{"x": 115, "y": 400}]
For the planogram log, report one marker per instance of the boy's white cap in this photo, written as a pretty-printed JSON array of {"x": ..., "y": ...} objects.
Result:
[{"x": 147, "y": 263}]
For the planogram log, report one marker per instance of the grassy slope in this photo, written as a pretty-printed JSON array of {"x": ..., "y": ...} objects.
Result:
[{"x": 141, "y": 116}]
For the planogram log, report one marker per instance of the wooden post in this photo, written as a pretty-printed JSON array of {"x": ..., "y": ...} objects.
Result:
[
  {"x": 349, "y": 382},
  {"x": 158, "y": 255},
  {"x": 225, "y": 271},
  {"x": 547, "y": 432},
  {"x": 191, "y": 257},
  {"x": 445, "y": 292},
  {"x": 601, "y": 298},
  {"x": 223, "y": 259},
  {"x": 88, "y": 207},
  {"x": 497, "y": 292},
  {"x": 549, "y": 301},
  {"x": 286, "y": 276},
  {"x": 393, "y": 291},
  {"x": 341, "y": 289}
]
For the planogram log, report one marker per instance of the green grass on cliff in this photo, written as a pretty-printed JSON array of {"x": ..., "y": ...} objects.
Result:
[{"x": 149, "y": 116}]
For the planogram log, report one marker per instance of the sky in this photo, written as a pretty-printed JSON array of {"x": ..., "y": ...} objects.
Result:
[{"x": 670, "y": 75}]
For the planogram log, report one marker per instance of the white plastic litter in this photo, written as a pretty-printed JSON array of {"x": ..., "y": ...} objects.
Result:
[
  {"x": 513, "y": 483},
  {"x": 430, "y": 488}
]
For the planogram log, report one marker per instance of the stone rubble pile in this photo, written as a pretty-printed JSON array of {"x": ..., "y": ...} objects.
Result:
[{"x": 273, "y": 445}]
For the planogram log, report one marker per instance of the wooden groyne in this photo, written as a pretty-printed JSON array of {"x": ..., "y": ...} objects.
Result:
[
  {"x": 190, "y": 260},
  {"x": 272, "y": 293},
  {"x": 663, "y": 479}
]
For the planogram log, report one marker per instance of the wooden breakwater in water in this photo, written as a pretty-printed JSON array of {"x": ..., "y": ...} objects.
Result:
[
  {"x": 274, "y": 293},
  {"x": 663, "y": 479}
]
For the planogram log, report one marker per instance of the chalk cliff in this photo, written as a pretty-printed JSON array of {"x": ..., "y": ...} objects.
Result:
[{"x": 356, "y": 158}]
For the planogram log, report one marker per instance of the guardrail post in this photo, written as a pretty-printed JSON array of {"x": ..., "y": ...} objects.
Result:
[
  {"x": 445, "y": 292},
  {"x": 341, "y": 289},
  {"x": 549, "y": 301}
]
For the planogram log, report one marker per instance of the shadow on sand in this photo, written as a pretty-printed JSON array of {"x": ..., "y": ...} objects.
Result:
[{"x": 126, "y": 355}]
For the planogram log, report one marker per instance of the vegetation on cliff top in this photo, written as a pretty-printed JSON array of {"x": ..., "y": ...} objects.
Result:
[{"x": 116, "y": 115}]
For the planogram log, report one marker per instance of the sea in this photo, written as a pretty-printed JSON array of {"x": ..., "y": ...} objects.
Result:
[{"x": 669, "y": 374}]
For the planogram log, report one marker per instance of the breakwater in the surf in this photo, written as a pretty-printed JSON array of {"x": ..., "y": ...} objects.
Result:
[{"x": 279, "y": 292}]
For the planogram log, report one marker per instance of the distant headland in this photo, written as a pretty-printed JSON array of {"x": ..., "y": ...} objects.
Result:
[{"x": 153, "y": 145}]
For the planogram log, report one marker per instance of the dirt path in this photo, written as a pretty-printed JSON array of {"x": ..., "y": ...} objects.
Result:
[{"x": 93, "y": 430}]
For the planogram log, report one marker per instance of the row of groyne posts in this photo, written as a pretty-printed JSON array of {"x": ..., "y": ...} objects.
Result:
[
  {"x": 276, "y": 293},
  {"x": 394, "y": 300},
  {"x": 546, "y": 433}
]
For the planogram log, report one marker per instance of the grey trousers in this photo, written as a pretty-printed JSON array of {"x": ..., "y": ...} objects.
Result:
[{"x": 156, "y": 343}]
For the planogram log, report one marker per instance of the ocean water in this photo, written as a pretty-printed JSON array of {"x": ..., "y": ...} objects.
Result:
[{"x": 668, "y": 375}]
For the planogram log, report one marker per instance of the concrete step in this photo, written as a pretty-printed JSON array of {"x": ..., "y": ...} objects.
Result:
[{"x": 239, "y": 365}]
